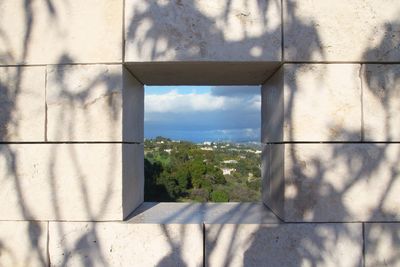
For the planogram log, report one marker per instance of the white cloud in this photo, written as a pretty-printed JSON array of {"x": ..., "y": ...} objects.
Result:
[
  {"x": 222, "y": 113},
  {"x": 175, "y": 102}
]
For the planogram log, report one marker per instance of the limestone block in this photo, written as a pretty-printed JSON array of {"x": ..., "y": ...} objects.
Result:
[
  {"x": 70, "y": 181},
  {"x": 53, "y": 32},
  {"x": 332, "y": 182},
  {"x": 210, "y": 213},
  {"x": 273, "y": 182},
  {"x": 312, "y": 102},
  {"x": 201, "y": 73},
  {"x": 202, "y": 30},
  {"x": 23, "y": 244},
  {"x": 284, "y": 245},
  {"x": 382, "y": 244},
  {"x": 22, "y": 104},
  {"x": 342, "y": 30},
  {"x": 381, "y": 102},
  {"x": 94, "y": 103},
  {"x": 122, "y": 244}
]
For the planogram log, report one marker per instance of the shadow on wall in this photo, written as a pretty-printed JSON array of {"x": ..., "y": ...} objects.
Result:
[
  {"x": 311, "y": 243},
  {"x": 381, "y": 121},
  {"x": 358, "y": 182},
  {"x": 203, "y": 30},
  {"x": 75, "y": 99}
]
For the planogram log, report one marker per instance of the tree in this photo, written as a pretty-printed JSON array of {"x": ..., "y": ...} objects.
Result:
[{"x": 219, "y": 196}]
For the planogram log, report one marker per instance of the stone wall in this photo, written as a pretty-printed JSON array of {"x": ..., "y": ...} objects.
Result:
[
  {"x": 329, "y": 125},
  {"x": 71, "y": 131}
]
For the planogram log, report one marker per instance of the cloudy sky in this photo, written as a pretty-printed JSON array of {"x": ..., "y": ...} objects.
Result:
[{"x": 203, "y": 113}]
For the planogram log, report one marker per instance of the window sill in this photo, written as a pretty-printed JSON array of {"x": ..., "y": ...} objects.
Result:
[{"x": 199, "y": 213}]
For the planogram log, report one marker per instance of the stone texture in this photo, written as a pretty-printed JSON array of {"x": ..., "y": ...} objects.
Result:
[
  {"x": 333, "y": 182},
  {"x": 284, "y": 245},
  {"x": 343, "y": 30},
  {"x": 186, "y": 213},
  {"x": 312, "y": 102},
  {"x": 381, "y": 102},
  {"x": 22, "y": 104},
  {"x": 382, "y": 241},
  {"x": 23, "y": 244},
  {"x": 94, "y": 103},
  {"x": 122, "y": 244},
  {"x": 272, "y": 171},
  {"x": 70, "y": 181},
  {"x": 202, "y": 73},
  {"x": 53, "y": 32},
  {"x": 202, "y": 30}
]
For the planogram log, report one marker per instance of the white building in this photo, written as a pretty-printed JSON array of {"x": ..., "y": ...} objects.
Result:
[
  {"x": 230, "y": 161},
  {"x": 228, "y": 171}
]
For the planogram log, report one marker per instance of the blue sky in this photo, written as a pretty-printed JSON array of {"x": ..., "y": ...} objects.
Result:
[{"x": 203, "y": 113}]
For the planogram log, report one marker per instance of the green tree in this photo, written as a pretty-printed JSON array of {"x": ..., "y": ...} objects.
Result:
[
  {"x": 197, "y": 171},
  {"x": 219, "y": 196}
]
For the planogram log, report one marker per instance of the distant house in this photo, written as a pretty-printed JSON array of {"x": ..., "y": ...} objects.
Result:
[
  {"x": 230, "y": 161},
  {"x": 207, "y": 143},
  {"x": 253, "y": 151},
  {"x": 228, "y": 171},
  {"x": 206, "y": 148}
]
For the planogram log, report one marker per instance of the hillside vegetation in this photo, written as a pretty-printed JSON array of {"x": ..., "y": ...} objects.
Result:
[{"x": 211, "y": 172}]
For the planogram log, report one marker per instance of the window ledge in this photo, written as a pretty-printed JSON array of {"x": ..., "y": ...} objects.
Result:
[{"x": 199, "y": 213}]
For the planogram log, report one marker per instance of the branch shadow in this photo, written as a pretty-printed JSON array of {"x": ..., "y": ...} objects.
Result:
[
  {"x": 311, "y": 243},
  {"x": 12, "y": 89}
]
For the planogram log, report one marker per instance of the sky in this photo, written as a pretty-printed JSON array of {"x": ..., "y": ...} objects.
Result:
[{"x": 203, "y": 113}]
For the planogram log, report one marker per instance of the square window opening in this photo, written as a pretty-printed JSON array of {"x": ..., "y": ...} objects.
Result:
[{"x": 202, "y": 144}]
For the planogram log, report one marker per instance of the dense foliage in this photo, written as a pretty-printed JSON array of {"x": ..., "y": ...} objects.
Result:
[{"x": 184, "y": 171}]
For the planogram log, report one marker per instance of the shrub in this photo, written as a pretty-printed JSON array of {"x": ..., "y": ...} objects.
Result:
[{"x": 219, "y": 196}]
